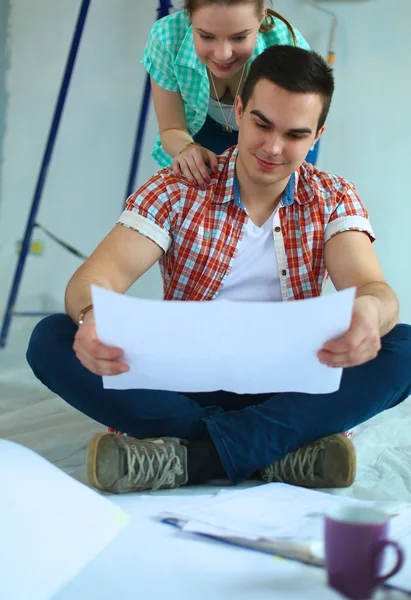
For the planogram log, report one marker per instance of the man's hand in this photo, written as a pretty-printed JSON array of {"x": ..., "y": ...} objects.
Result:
[
  {"x": 362, "y": 341},
  {"x": 95, "y": 356}
]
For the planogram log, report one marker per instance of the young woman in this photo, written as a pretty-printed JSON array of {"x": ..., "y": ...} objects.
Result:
[{"x": 198, "y": 59}]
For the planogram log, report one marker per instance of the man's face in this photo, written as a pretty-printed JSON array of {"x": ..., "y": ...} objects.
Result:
[{"x": 277, "y": 129}]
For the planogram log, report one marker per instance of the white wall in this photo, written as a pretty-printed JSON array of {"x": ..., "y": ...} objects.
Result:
[
  {"x": 368, "y": 137},
  {"x": 87, "y": 177},
  {"x": 4, "y": 10}
]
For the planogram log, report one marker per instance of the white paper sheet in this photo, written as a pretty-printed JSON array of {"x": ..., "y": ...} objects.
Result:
[
  {"x": 242, "y": 347},
  {"x": 271, "y": 511},
  {"x": 51, "y": 525},
  {"x": 280, "y": 512}
]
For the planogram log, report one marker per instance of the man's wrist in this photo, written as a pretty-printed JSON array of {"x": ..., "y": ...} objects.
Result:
[{"x": 82, "y": 314}]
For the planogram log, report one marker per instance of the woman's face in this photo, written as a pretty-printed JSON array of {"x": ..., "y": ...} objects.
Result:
[{"x": 225, "y": 36}]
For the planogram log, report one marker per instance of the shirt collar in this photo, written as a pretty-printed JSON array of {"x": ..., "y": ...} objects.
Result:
[
  {"x": 288, "y": 195},
  {"x": 286, "y": 200},
  {"x": 305, "y": 185},
  {"x": 223, "y": 182},
  {"x": 187, "y": 55},
  {"x": 300, "y": 186}
]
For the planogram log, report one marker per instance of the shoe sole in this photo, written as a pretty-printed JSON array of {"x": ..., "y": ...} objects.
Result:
[
  {"x": 92, "y": 461},
  {"x": 352, "y": 458}
]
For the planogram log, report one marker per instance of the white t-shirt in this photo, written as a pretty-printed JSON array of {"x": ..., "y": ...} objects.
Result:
[
  {"x": 214, "y": 111},
  {"x": 254, "y": 275}
]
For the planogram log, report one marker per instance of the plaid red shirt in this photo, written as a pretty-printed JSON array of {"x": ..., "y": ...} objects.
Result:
[{"x": 200, "y": 230}]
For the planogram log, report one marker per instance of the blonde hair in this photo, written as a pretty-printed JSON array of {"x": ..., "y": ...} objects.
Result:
[{"x": 267, "y": 25}]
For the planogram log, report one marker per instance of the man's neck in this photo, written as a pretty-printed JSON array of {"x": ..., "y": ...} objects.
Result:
[{"x": 260, "y": 201}]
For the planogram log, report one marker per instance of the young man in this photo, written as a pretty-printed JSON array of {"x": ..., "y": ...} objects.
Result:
[{"x": 266, "y": 228}]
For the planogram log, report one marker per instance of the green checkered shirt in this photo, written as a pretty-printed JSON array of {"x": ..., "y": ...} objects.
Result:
[{"x": 171, "y": 60}]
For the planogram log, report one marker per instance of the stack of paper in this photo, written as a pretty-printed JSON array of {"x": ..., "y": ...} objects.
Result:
[{"x": 283, "y": 520}]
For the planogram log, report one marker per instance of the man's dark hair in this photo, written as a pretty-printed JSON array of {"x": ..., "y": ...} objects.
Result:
[{"x": 295, "y": 70}]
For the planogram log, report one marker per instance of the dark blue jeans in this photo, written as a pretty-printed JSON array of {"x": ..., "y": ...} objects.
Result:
[
  {"x": 213, "y": 137},
  {"x": 249, "y": 431}
]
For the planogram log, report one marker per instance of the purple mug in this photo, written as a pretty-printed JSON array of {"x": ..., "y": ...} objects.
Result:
[{"x": 355, "y": 539}]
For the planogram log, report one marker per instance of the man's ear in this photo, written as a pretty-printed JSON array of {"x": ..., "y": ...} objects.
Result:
[
  {"x": 319, "y": 134},
  {"x": 238, "y": 110}
]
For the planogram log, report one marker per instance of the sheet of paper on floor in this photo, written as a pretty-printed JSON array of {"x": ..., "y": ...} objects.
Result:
[
  {"x": 207, "y": 346},
  {"x": 51, "y": 525},
  {"x": 287, "y": 519}
]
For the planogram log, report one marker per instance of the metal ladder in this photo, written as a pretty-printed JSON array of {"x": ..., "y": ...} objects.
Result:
[{"x": 10, "y": 312}]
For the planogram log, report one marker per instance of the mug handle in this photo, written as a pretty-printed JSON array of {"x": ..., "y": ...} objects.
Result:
[{"x": 400, "y": 559}]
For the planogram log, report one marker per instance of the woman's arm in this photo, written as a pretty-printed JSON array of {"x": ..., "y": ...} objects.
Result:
[
  {"x": 171, "y": 119},
  {"x": 172, "y": 125}
]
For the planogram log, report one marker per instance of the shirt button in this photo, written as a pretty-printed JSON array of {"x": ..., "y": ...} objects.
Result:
[
  {"x": 277, "y": 229},
  {"x": 284, "y": 272}
]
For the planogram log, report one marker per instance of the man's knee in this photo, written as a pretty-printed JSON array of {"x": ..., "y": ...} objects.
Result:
[
  {"x": 47, "y": 335},
  {"x": 396, "y": 346},
  {"x": 402, "y": 331},
  {"x": 398, "y": 340}
]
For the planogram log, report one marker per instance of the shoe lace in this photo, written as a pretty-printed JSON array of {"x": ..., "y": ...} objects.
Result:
[
  {"x": 141, "y": 468},
  {"x": 295, "y": 465}
]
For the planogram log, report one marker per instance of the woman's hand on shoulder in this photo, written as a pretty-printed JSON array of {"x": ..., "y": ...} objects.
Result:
[
  {"x": 194, "y": 163},
  {"x": 311, "y": 168}
]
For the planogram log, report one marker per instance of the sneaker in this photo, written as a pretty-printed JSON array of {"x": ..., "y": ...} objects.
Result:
[
  {"x": 119, "y": 464},
  {"x": 327, "y": 463}
]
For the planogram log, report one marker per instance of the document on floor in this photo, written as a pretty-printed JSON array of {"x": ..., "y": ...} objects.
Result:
[
  {"x": 241, "y": 347},
  {"x": 285, "y": 520},
  {"x": 51, "y": 525}
]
